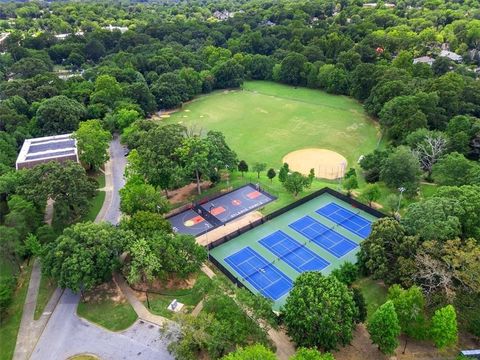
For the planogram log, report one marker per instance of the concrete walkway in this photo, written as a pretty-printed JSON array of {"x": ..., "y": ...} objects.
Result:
[
  {"x": 30, "y": 329},
  {"x": 140, "y": 309}
]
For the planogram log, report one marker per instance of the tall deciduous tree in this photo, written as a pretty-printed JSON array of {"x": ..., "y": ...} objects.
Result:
[
  {"x": 456, "y": 170},
  {"x": 311, "y": 354},
  {"x": 271, "y": 173},
  {"x": 242, "y": 167},
  {"x": 194, "y": 156},
  {"x": 138, "y": 196},
  {"x": 258, "y": 168},
  {"x": 444, "y": 329},
  {"x": 295, "y": 183},
  {"x": 320, "y": 312},
  {"x": 59, "y": 115},
  {"x": 251, "y": 352},
  {"x": 93, "y": 142},
  {"x": 401, "y": 169},
  {"x": 85, "y": 255},
  {"x": 384, "y": 328}
]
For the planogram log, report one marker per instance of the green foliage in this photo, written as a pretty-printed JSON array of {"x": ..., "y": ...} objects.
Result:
[
  {"x": 371, "y": 193},
  {"x": 347, "y": 273},
  {"x": 242, "y": 167},
  {"x": 409, "y": 306},
  {"x": 93, "y": 142},
  {"x": 401, "y": 169},
  {"x": 258, "y": 168},
  {"x": 384, "y": 328},
  {"x": 320, "y": 312},
  {"x": 138, "y": 196},
  {"x": 85, "y": 255},
  {"x": 271, "y": 173},
  {"x": 455, "y": 170},
  {"x": 295, "y": 183},
  {"x": 59, "y": 115},
  {"x": 359, "y": 300},
  {"x": 7, "y": 289},
  {"x": 311, "y": 354},
  {"x": 253, "y": 352},
  {"x": 444, "y": 330},
  {"x": 283, "y": 173}
]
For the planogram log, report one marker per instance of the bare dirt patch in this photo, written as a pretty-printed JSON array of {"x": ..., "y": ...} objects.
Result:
[
  {"x": 187, "y": 192},
  {"x": 108, "y": 290},
  {"x": 326, "y": 163}
]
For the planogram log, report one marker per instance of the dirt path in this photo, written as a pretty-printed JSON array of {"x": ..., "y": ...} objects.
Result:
[{"x": 183, "y": 194}]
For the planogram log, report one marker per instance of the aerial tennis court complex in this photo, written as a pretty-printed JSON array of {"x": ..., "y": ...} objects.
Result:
[{"x": 317, "y": 235}]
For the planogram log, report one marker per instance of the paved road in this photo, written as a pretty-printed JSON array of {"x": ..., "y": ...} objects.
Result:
[
  {"x": 115, "y": 168},
  {"x": 66, "y": 335}
]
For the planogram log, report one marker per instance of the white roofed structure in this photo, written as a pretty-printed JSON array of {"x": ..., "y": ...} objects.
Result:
[{"x": 44, "y": 149}]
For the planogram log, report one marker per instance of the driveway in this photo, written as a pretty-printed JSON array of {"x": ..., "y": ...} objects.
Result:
[{"x": 66, "y": 335}]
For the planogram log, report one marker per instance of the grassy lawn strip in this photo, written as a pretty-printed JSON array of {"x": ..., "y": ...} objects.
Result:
[
  {"x": 47, "y": 287},
  {"x": 375, "y": 294},
  {"x": 106, "y": 306},
  {"x": 189, "y": 297},
  {"x": 9, "y": 326},
  {"x": 96, "y": 204}
]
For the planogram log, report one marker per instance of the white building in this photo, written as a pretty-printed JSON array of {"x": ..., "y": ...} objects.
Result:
[
  {"x": 44, "y": 149},
  {"x": 122, "y": 29},
  {"x": 424, "y": 60},
  {"x": 451, "y": 55}
]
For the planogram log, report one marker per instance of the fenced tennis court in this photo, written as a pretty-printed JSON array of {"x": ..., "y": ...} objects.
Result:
[
  {"x": 294, "y": 253},
  {"x": 347, "y": 219},
  {"x": 323, "y": 236},
  {"x": 313, "y": 236},
  {"x": 264, "y": 277}
]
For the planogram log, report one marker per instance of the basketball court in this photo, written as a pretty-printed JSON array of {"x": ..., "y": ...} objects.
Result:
[{"x": 212, "y": 213}]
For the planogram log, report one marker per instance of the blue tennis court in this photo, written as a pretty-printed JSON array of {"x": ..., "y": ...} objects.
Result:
[
  {"x": 346, "y": 219},
  {"x": 328, "y": 239},
  {"x": 293, "y": 252},
  {"x": 261, "y": 274}
]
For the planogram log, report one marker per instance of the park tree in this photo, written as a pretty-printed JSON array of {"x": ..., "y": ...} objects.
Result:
[
  {"x": 157, "y": 150},
  {"x": 252, "y": 352},
  {"x": 434, "y": 219},
  {"x": 107, "y": 91},
  {"x": 7, "y": 290},
  {"x": 292, "y": 70},
  {"x": 430, "y": 149},
  {"x": 371, "y": 193},
  {"x": 141, "y": 94},
  {"x": 59, "y": 115},
  {"x": 384, "y": 328},
  {"x": 359, "y": 300},
  {"x": 94, "y": 50},
  {"x": 258, "y": 168},
  {"x": 23, "y": 216},
  {"x": 11, "y": 246},
  {"x": 401, "y": 169},
  {"x": 228, "y": 74},
  {"x": 67, "y": 184},
  {"x": 170, "y": 90},
  {"x": 194, "y": 155},
  {"x": 283, "y": 173},
  {"x": 145, "y": 224},
  {"x": 221, "y": 155},
  {"x": 363, "y": 79},
  {"x": 139, "y": 196},
  {"x": 121, "y": 119},
  {"x": 372, "y": 164},
  {"x": 295, "y": 183},
  {"x": 350, "y": 183},
  {"x": 409, "y": 307},
  {"x": 85, "y": 255},
  {"x": 387, "y": 253},
  {"x": 93, "y": 142},
  {"x": 444, "y": 331},
  {"x": 347, "y": 273},
  {"x": 271, "y": 173},
  {"x": 33, "y": 247},
  {"x": 456, "y": 170},
  {"x": 311, "y": 354},
  {"x": 320, "y": 312},
  {"x": 242, "y": 167},
  {"x": 311, "y": 177}
]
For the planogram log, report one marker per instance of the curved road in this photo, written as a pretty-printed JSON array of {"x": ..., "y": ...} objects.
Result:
[{"x": 66, "y": 334}]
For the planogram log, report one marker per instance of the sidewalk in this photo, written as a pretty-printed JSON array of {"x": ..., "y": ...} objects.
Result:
[
  {"x": 137, "y": 305},
  {"x": 30, "y": 329}
]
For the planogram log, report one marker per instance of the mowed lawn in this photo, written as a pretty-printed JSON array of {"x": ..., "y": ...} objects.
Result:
[{"x": 265, "y": 121}]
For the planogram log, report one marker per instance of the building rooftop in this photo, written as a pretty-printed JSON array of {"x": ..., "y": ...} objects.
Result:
[
  {"x": 451, "y": 55},
  {"x": 424, "y": 60},
  {"x": 40, "y": 150}
]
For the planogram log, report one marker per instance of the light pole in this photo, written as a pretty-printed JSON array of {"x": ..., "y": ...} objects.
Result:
[{"x": 401, "y": 189}]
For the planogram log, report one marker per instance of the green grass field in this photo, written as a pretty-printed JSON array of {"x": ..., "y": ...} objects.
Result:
[
  {"x": 105, "y": 309},
  {"x": 265, "y": 121},
  {"x": 374, "y": 292},
  {"x": 251, "y": 238}
]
